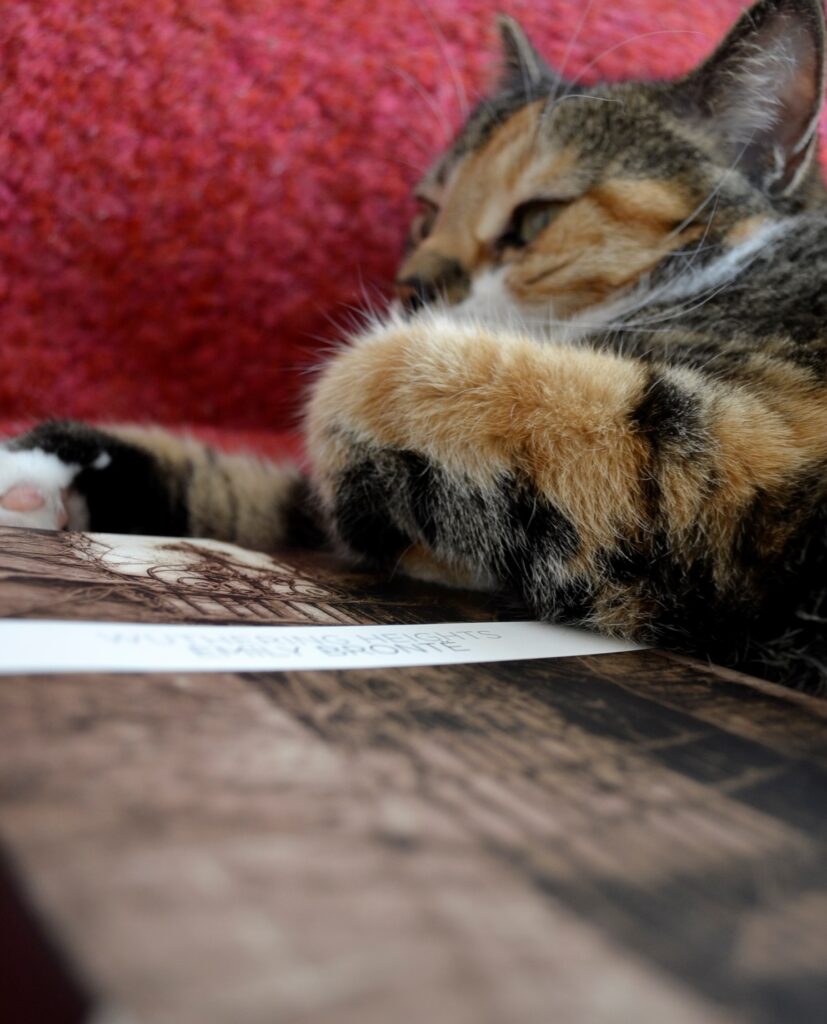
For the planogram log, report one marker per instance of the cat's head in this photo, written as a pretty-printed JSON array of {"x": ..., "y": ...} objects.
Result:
[{"x": 559, "y": 197}]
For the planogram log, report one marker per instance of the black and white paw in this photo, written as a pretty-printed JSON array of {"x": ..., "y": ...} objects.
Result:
[
  {"x": 36, "y": 491},
  {"x": 67, "y": 475},
  {"x": 45, "y": 476}
]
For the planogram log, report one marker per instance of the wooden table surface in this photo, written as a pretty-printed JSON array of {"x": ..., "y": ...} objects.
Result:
[{"x": 624, "y": 838}]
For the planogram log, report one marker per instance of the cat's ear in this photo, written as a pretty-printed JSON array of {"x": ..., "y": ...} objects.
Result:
[
  {"x": 762, "y": 90},
  {"x": 522, "y": 66}
]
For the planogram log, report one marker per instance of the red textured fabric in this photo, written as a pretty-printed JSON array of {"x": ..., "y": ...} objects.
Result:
[{"x": 192, "y": 194}]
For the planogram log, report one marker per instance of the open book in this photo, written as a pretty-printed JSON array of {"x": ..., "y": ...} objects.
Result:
[{"x": 629, "y": 836}]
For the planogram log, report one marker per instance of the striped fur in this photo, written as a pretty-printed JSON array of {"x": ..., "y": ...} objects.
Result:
[{"x": 606, "y": 387}]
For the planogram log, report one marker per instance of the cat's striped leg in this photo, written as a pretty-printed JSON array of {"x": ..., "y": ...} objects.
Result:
[
  {"x": 646, "y": 501},
  {"x": 133, "y": 480}
]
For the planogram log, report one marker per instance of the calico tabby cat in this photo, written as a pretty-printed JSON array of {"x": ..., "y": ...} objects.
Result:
[{"x": 605, "y": 387}]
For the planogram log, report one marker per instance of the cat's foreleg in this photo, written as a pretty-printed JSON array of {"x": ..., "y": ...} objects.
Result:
[
  {"x": 65, "y": 474},
  {"x": 606, "y": 491}
]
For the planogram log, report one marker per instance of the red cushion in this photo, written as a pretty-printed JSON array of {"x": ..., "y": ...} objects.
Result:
[{"x": 191, "y": 195}]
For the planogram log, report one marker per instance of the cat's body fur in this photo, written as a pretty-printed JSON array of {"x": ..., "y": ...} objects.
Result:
[{"x": 609, "y": 392}]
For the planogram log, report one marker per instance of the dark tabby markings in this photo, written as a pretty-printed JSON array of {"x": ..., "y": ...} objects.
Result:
[
  {"x": 536, "y": 534},
  {"x": 361, "y": 514},
  {"x": 303, "y": 525},
  {"x": 422, "y": 484},
  {"x": 387, "y": 500},
  {"x": 670, "y": 417},
  {"x": 221, "y": 472},
  {"x": 764, "y": 529}
]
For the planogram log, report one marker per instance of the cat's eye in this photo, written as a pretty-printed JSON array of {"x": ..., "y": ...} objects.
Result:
[
  {"x": 423, "y": 222},
  {"x": 528, "y": 221}
]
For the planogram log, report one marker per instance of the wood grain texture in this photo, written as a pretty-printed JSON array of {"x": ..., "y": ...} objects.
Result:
[{"x": 624, "y": 838}]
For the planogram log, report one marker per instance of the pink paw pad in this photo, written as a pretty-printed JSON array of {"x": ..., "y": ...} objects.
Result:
[
  {"x": 28, "y": 498},
  {"x": 23, "y": 498}
]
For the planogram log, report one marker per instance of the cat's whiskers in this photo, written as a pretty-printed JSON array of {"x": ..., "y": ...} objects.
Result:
[
  {"x": 397, "y": 161},
  {"x": 374, "y": 298},
  {"x": 575, "y": 36},
  {"x": 712, "y": 196},
  {"x": 551, "y": 105},
  {"x": 651, "y": 296},
  {"x": 689, "y": 252},
  {"x": 440, "y": 117},
  {"x": 647, "y": 296},
  {"x": 424, "y": 145},
  {"x": 714, "y": 193},
  {"x": 351, "y": 319},
  {"x": 676, "y": 312},
  {"x": 581, "y": 327},
  {"x": 644, "y": 325},
  {"x": 619, "y": 315},
  {"x": 736, "y": 262},
  {"x": 625, "y": 42},
  {"x": 680, "y": 310},
  {"x": 460, "y": 91}
]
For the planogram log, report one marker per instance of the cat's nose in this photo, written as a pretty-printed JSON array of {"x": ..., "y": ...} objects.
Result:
[
  {"x": 416, "y": 292},
  {"x": 429, "y": 277}
]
